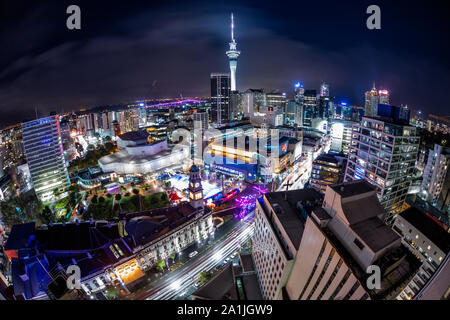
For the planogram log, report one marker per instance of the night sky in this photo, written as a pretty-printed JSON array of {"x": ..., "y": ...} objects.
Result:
[{"x": 130, "y": 50}]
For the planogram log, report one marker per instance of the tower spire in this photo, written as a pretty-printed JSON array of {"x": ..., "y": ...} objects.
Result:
[
  {"x": 233, "y": 54},
  {"x": 232, "y": 28}
]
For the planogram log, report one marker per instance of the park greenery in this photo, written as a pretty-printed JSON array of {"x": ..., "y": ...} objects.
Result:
[
  {"x": 92, "y": 156},
  {"x": 101, "y": 208},
  {"x": 21, "y": 209}
]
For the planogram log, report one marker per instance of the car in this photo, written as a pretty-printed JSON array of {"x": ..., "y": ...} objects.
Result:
[
  {"x": 232, "y": 256},
  {"x": 193, "y": 254},
  {"x": 197, "y": 284}
]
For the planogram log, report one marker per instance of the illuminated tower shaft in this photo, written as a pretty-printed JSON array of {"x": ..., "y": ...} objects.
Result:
[{"x": 233, "y": 54}]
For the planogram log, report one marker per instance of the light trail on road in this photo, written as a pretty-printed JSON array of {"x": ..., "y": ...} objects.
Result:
[{"x": 180, "y": 280}]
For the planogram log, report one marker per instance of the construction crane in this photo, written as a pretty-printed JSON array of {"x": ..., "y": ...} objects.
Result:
[{"x": 443, "y": 119}]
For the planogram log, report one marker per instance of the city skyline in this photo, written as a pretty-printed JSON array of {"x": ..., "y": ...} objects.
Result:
[
  {"x": 138, "y": 161},
  {"x": 59, "y": 69}
]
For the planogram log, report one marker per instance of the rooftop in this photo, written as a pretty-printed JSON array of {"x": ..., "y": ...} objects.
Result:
[
  {"x": 428, "y": 227},
  {"x": 134, "y": 135},
  {"x": 353, "y": 188},
  {"x": 123, "y": 156},
  {"x": 375, "y": 233},
  {"x": 289, "y": 212},
  {"x": 399, "y": 265},
  {"x": 88, "y": 244}
]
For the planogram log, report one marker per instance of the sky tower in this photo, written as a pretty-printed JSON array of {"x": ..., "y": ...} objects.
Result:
[{"x": 233, "y": 54}]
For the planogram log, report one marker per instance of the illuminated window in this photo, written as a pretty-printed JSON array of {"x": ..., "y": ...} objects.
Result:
[
  {"x": 191, "y": 195},
  {"x": 197, "y": 185},
  {"x": 198, "y": 196}
]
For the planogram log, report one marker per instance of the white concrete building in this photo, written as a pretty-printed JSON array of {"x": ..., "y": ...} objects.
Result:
[
  {"x": 136, "y": 158},
  {"x": 435, "y": 174},
  {"x": 429, "y": 241},
  {"x": 324, "y": 255},
  {"x": 277, "y": 233}
]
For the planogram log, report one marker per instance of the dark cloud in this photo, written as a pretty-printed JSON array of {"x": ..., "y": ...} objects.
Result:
[{"x": 124, "y": 47}]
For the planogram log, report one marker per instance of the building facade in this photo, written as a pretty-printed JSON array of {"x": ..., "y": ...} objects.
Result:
[
  {"x": 384, "y": 154},
  {"x": 45, "y": 156},
  {"x": 327, "y": 169},
  {"x": 427, "y": 240},
  {"x": 220, "y": 98},
  {"x": 435, "y": 174}
]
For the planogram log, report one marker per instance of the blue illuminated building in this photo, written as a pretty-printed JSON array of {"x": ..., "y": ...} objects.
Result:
[{"x": 45, "y": 156}]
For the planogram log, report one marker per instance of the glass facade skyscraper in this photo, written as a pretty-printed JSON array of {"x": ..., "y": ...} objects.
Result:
[
  {"x": 220, "y": 98},
  {"x": 310, "y": 107},
  {"x": 384, "y": 154},
  {"x": 45, "y": 156}
]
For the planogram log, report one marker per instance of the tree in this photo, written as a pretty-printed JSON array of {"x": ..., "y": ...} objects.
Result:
[
  {"x": 22, "y": 209},
  {"x": 91, "y": 147},
  {"x": 136, "y": 191},
  {"x": 101, "y": 199},
  {"x": 118, "y": 197},
  {"x": 47, "y": 215},
  {"x": 94, "y": 199},
  {"x": 204, "y": 276},
  {"x": 160, "y": 265},
  {"x": 164, "y": 196},
  {"x": 109, "y": 195}
]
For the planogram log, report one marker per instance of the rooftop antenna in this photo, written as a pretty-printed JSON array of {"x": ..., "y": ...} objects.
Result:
[{"x": 232, "y": 28}]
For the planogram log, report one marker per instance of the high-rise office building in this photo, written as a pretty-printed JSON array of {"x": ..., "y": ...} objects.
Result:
[
  {"x": 384, "y": 154},
  {"x": 253, "y": 100},
  {"x": 324, "y": 108},
  {"x": 324, "y": 90},
  {"x": 310, "y": 107},
  {"x": 203, "y": 118},
  {"x": 341, "y": 134},
  {"x": 233, "y": 54},
  {"x": 289, "y": 117},
  {"x": 278, "y": 226},
  {"x": 299, "y": 91},
  {"x": 435, "y": 175},
  {"x": 45, "y": 156},
  {"x": 372, "y": 101},
  {"x": 220, "y": 98},
  {"x": 384, "y": 96},
  {"x": 276, "y": 99},
  {"x": 373, "y": 98},
  {"x": 327, "y": 169},
  {"x": 131, "y": 120},
  {"x": 236, "y": 105},
  {"x": 306, "y": 248},
  {"x": 298, "y": 98}
]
